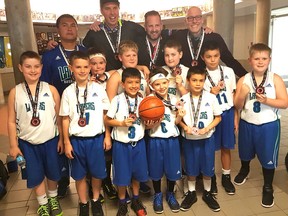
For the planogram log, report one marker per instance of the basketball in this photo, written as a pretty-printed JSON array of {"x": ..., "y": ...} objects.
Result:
[{"x": 151, "y": 108}]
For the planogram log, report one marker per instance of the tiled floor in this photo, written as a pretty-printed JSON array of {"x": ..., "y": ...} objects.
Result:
[{"x": 20, "y": 201}]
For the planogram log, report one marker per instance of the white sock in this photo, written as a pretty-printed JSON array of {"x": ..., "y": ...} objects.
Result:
[
  {"x": 191, "y": 185},
  {"x": 52, "y": 193},
  {"x": 207, "y": 184},
  {"x": 226, "y": 172},
  {"x": 42, "y": 200}
]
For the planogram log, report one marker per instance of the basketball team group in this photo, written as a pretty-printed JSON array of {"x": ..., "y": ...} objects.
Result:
[{"x": 79, "y": 112}]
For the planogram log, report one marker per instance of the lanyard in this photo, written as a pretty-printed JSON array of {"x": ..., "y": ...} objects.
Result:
[
  {"x": 153, "y": 55},
  {"x": 129, "y": 106},
  {"x": 33, "y": 103},
  {"x": 195, "y": 113},
  {"x": 176, "y": 71},
  {"x": 98, "y": 78},
  {"x": 210, "y": 78},
  {"x": 114, "y": 46},
  {"x": 81, "y": 108},
  {"x": 64, "y": 53},
  {"x": 195, "y": 52},
  {"x": 167, "y": 102},
  {"x": 259, "y": 89}
]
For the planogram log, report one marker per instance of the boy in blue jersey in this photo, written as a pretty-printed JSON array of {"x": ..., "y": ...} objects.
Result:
[
  {"x": 129, "y": 149},
  {"x": 203, "y": 114},
  {"x": 260, "y": 94}
]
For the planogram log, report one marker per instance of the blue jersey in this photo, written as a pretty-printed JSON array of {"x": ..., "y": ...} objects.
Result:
[{"x": 55, "y": 68}]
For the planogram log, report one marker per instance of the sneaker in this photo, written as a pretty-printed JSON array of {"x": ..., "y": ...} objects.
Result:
[
  {"x": 158, "y": 203},
  {"x": 55, "y": 208},
  {"x": 267, "y": 197},
  {"x": 122, "y": 209},
  {"x": 63, "y": 185},
  {"x": 43, "y": 210},
  {"x": 84, "y": 209},
  {"x": 189, "y": 200},
  {"x": 172, "y": 202},
  {"x": 214, "y": 189},
  {"x": 138, "y": 207},
  {"x": 96, "y": 207},
  {"x": 144, "y": 188},
  {"x": 101, "y": 198},
  {"x": 110, "y": 191},
  {"x": 127, "y": 197},
  {"x": 210, "y": 200},
  {"x": 227, "y": 184},
  {"x": 241, "y": 177}
]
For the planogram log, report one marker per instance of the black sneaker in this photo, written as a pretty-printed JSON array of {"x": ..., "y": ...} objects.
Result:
[
  {"x": 138, "y": 207},
  {"x": 189, "y": 200},
  {"x": 172, "y": 202},
  {"x": 227, "y": 184},
  {"x": 214, "y": 189},
  {"x": 158, "y": 203},
  {"x": 144, "y": 188},
  {"x": 267, "y": 197},
  {"x": 122, "y": 209},
  {"x": 241, "y": 177},
  {"x": 63, "y": 185},
  {"x": 210, "y": 200},
  {"x": 110, "y": 191},
  {"x": 96, "y": 207},
  {"x": 84, "y": 209}
]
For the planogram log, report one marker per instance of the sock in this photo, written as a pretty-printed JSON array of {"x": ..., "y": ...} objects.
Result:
[
  {"x": 135, "y": 197},
  {"x": 170, "y": 186},
  {"x": 52, "y": 193},
  {"x": 122, "y": 200},
  {"x": 191, "y": 185},
  {"x": 42, "y": 200},
  {"x": 226, "y": 172},
  {"x": 268, "y": 175},
  {"x": 207, "y": 184},
  {"x": 157, "y": 186},
  {"x": 245, "y": 165}
]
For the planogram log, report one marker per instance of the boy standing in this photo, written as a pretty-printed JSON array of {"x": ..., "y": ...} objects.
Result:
[
  {"x": 260, "y": 94},
  {"x": 82, "y": 108},
  {"x": 203, "y": 115},
  {"x": 220, "y": 81},
  {"x": 33, "y": 108},
  {"x": 163, "y": 149},
  {"x": 129, "y": 149}
]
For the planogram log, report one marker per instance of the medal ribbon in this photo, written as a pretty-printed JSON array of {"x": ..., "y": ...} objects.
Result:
[
  {"x": 176, "y": 71},
  {"x": 33, "y": 103},
  {"x": 114, "y": 46},
  {"x": 195, "y": 114},
  {"x": 101, "y": 80},
  {"x": 263, "y": 80},
  {"x": 64, "y": 54},
  {"x": 153, "y": 55},
  {"x": 82, "y": 109},
  {"x": 128, "y": 103},
  {"x": 195, "y": 53},
  {"x": 166, "y": 102},
  {"x": 210, "y": 78}
]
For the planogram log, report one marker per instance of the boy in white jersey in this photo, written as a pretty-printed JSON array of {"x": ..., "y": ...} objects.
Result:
[
  {"x": 260, "y": 94},
  {"x": 129, "y": 149},
  {"x": 221, "y": 81},
  {"x": 83, "y": 105},
  {"x": 163, "y": 149},
  {"x": 176, "y": 72},
  {"x": 33, "y": 108},
  {"x": 203, "y": 114}
]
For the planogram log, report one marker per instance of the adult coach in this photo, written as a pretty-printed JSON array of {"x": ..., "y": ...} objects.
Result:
[{"x": 194, "y": 37}]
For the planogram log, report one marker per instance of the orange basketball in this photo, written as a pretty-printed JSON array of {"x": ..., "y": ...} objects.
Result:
[{"x": 151, "y": 108}]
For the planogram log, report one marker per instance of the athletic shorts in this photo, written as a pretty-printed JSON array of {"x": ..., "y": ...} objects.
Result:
[
  {"x": 261, "y": 140},
  {"x": 199, "y": 156},
  {"x": 224, "y": 133},
  {"x": 89, "y": 157},
  {"x": 163, "y": 155},
  {"x": 41, "y": 160},
  {"x": 129, "y": 161}
]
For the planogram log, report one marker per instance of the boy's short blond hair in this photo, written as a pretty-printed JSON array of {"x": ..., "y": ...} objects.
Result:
[
  {"x": 259, "y": 47},
  {"x": 126, "y": 45}
]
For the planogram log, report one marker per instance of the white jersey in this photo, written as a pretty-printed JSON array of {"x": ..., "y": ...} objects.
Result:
[
  {"x": 47, "y": 129},
  {"x": 208, "y": 109},
  {"x": 167, "y": 127},
  {"x": 143, "y": 84},
  {"x": 97, "y": 101},
  {"x": 119, "y": 111},
  {"x": 253, "y": 111},
  {"x": 172, "y": 84},
  {"x": 225, "y": 96}
]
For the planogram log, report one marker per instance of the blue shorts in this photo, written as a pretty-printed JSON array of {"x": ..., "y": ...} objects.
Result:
[
  {"x": 199, "y": 156},
  {"x": 129, "y": 162},
  {"x": 163, "y": 156},
  {"x": 261, "y": 140},
  {"x": 41, "y": 160},
  {"x": 88, "y": 157},
  {"x": 224, "y": 133}
]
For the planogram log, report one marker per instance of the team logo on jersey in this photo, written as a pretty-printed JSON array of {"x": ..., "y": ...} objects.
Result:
[
  {"x": 46, "y": 95},
  {"x": 226, "y": 77},
  {"x": 207, "y": 104},
  {"x": 95, "y": 94},
  {"x": 57, "y": 58},
  {"x": 268, "y": 85}
]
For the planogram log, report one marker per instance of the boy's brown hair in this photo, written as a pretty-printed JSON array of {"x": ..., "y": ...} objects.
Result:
[
  {"x": 29, "y": 55},
  {"x": 259, "y": 47}
]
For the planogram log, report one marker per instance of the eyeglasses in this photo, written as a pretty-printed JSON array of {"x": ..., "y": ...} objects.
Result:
[{"x": 191, "y": 18}]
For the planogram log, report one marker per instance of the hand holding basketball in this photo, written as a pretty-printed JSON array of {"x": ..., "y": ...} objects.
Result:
[{"x": 151, "y": 108}]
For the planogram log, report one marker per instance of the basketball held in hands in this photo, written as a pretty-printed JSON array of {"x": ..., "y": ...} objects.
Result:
[{"x": 151, "y": 108}]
